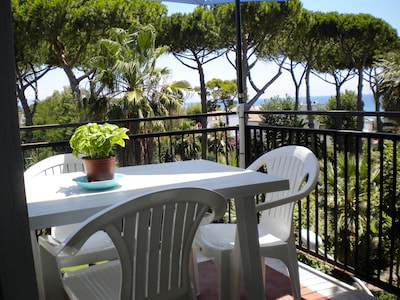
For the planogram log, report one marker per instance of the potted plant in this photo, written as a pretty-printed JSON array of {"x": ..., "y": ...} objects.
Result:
[{"x": 97, "y": 142}]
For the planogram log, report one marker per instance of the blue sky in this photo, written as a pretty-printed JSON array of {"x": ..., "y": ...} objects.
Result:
[
  {"x": 388, "y": 10},
  {"x": 385, "y": 9}
]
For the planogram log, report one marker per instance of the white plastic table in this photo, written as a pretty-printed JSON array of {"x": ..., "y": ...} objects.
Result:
[{"x": 57, "y": 200}]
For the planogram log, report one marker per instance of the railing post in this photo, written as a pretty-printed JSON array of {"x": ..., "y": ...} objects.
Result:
[{"x": 242, "y": 135}]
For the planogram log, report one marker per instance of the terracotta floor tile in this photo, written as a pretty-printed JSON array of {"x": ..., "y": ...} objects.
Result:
[{"x": 278, "y": 285}]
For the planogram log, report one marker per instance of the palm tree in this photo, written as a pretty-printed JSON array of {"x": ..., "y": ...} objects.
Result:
[
  {"x": 390, "y": 86},
  {"x": 350, "y": 181},
  {"x": 127, "y": 69}
]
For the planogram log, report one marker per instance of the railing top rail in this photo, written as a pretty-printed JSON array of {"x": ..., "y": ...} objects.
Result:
[
  {"x": 345, "y": 113},
  {"x": 383, "y": 135},
  {"x": 119, "y": 121}
]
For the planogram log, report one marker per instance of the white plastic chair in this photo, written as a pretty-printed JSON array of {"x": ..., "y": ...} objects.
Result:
[
  {"x": 54, "y": 165},
  {"x": 99, "y": 245},
  {"x": 153, "y": 235},
  {"x": 276, "y": 236}
]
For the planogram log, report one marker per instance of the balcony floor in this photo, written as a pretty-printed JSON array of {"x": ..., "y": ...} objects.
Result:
[{"x": 315, "y": 285}]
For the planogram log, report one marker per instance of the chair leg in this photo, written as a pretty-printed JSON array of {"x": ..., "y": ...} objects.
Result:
[
  {"x": 288, "y": 256},
  {"x": 228, "y": 266},
  {"x": 194, "y": 272},
  {"x": 293, "y": 268},
  {"x": 223, "y": 279},
  {"x": 225, "y": 276},
  {"x": 235, "y": 272},
  {"x": 38, "y": 266},
  {"x": 263, "y": 270},
  {"x": 291, "y": 262}
]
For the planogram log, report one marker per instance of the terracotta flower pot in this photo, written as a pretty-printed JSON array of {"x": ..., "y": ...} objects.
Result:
[{"x": 99, "y": 169}]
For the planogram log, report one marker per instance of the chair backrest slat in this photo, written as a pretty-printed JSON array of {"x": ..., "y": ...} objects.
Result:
[{"x": 154, "y": 252}]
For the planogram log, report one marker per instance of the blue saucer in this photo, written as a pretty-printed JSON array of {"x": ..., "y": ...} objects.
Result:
[{"x": 98, "y": 185}]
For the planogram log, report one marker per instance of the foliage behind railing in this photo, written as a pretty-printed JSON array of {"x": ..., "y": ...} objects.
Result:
[{"x": 355, "y": 207}]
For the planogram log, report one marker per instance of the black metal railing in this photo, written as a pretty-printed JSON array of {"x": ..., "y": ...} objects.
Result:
[{"x": 355, "y": 208}]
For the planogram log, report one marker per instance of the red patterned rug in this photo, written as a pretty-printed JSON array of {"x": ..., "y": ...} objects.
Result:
[{"x": 278, "y": 285}]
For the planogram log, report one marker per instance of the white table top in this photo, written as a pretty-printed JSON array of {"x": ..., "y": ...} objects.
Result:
[{"x": 57, "y": 200}]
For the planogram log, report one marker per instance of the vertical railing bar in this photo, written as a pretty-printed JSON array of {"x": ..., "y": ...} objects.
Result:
[
  {"x": 357, "y": 201},
  {"x": 194, "y": 144},
  {"x": 393, "y": 214},
  {"x": 345, "y": 200},
  {"x": 262, "y": 140},
  {"x": 335, "y": 192},
  {"x": 226, "y": 148},
  {"x": 215, "y": 146},
  {"x": 380, "y": 229},
  {"x": 182, "y": 153},
  {"x": 316, "y": 201},
  {"x": 368, "y": 210},
  {"x": 172, "y": 153},
  {"x": 307, "y": 202},
  {"x": 300, "y": 223},
  {"x": 325, "y": 180},
  {"x": 159, "y": 148},
  {"x": 291, "y": 134},
  {"x": 396, "y": 216},
  {"x": 236, "y": 146}
]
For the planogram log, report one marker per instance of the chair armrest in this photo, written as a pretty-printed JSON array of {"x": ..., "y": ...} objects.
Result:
[
  {"x": 55, "y": 247},
  {"x": 275, "y": 203},
  {"x": 302, "y": 193},
  {"x": 50, "y": 244}
]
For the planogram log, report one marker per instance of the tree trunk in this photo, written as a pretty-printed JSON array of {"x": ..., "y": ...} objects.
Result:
[
  {"x": 28, "y": 113},
  {"x": 308, "y": 98},
  {"x": 203, "y": 98},
  {"x": 379, "y": 124},
  {"x": 360, "y": 103},
  {"x": 74, "y": 84},
  {"x": 338, "y": 118}
]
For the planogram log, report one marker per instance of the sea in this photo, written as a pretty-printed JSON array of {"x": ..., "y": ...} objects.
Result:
[{"x": 320, "y": 101}]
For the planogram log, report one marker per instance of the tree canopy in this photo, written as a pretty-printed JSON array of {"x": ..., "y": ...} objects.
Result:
[{"x": 71, "y": 35}]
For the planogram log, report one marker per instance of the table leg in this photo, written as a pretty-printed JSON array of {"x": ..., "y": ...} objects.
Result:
[
  {"x": 38, "y": 266},
  {"x": 48, "y": 278},
  {"x": 249, "y": 248}
]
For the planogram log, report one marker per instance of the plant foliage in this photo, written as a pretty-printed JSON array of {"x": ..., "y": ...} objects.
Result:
[{"x": 97, "y": 140}]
